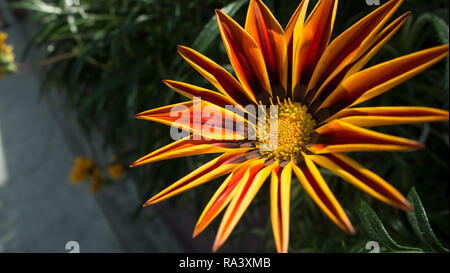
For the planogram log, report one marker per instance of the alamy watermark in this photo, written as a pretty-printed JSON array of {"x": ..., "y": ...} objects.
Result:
[
  {"x": 207, "y": 121},
  {"x": 373, "y": 2}
]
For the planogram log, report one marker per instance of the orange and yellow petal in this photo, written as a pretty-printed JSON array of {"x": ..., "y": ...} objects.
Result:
[
  {"x": 338, "y": 137},
  {"x": 245, "y": 56},
  {"x": 249, "y": 185},
  {"x": 187, "y": 146},
  {"x": 207, "y": 172},
  {"x": 349, "y": 45},
  {"x": 310, "y": 41},
  {"x": 200, "y": 118},
  {"x": 223, "y": 195},
  {"x": 280, "y": 197},
  {"x": 316, "y": 187},
  {"x": 269, "y": 35},
  {"x": 217, "y": 76},
  {"x": 191, "y": 91},
  {"x": 355, "y": 61},
  {"x": 362, "y": 178},
  {"x": 378, "y": 79},
  {"x": 382, "y": 116}
]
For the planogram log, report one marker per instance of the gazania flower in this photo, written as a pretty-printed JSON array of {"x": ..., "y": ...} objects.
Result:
[
  {"x": 6, "y": 56},
  {"x": 317, "y": 86}
]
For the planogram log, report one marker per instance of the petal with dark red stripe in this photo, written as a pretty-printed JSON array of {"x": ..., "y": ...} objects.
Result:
[
  {"x": 296, "y": 23},
  {"x": 310, "y": 43},
  {"x": 269, "y": 35},
  {"x": 280, "y": 197},
  {"x": 187, "y": 147},
  {"x": 382, "y": 116},
  {"x": 352, "y": 64},
  {"x": 313, "y": 183},
  {"x": 349, "y": 45},
  {"x": 246, "y": 191},
  {"x": 200, "y": 118},
  {"x": 222, "y": 196},
  {"x": 362, "y": 178},
  {"x": 191, "y": 91},
  {"x": 203, "y": 174},
  {"x": 338, "y": 136},
  {"x": 378, "y": 79},
  {"x": 245, "y": 56},
  {"x": 217, "y": 76}
]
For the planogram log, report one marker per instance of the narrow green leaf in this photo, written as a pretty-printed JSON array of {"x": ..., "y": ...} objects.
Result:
[
  {"x": 419, "y": 222},
  {"x": 377, "y": 231},
  {"x": 37, "y": 5}
]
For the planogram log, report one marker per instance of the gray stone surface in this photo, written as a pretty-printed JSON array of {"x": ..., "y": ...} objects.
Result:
[{"x": 40, "y": 211}]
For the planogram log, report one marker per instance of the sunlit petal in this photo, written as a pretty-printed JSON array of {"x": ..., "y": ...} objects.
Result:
[
  {"x": 244, "y": 195},
  {"x": 269, "y": 35},
  {"x": 217, "y": 76},
  {"x": 382, "y": 116},
  {"x": 245, "y": 56},
  {"x": 362, "y": 178},
  {"x": 313, "y": 183},
  {"x": 338, "y": 136},
  {"x": 209, "y": 171}
]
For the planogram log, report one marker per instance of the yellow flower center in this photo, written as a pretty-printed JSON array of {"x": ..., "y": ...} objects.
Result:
[{"x": 290, "y": 136}]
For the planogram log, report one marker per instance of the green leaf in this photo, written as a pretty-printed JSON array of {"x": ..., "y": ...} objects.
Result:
[
  {"x": 377, "y": 231},
  {"x": 419, "y": 222},
  {"x": 37, "y": 5},
  {"x": 211, "y": 30}
]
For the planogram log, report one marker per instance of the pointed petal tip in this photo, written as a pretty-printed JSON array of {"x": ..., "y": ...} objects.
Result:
[
  {"x": 216, "y": 246},
  {"x": 350, "y": 230},
  {"x": 150, "y": 202},
  {"x": 181, "y": 48},
  {"x": 195, "y": 233},
  {"x": 406, "y": 205},
  {"x": 419, "y": 145}
]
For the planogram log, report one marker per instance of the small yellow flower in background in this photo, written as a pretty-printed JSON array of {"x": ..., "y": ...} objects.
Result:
[
  {"x": 6, "y": 56},
  {"x": 81, "y": 170},
  {"x": 116, "y": 170},
  {"x": 97, "y": 181}
]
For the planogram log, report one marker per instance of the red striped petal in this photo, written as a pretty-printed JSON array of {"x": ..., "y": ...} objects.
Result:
[
  {"x": 313, "y": 183},
  {"x": 222, "y": 197},
  {"x": 245, "y": 56},
  {"x": 352, "y": 43},
  {"x": 269, "y": 35},
  {"x": 187, "y": 147},
  {"x": 246, "y": 191},
  {"x": 352, "y": 64},
  {"x": 310, "y": 43},
  {"x": 338, "y": 136},
  {"x": 382, "y": 116},
  {"x": 217, "y": 75},
  {"x": 200, "y": 118},
  {"x": 191, "y": 91},
  {"x": 378, "y": 79},
  {"x": 209, "y": 171},
  {"x": 362, "y": 178}
]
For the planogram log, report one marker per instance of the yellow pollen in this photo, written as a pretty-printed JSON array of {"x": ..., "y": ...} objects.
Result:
[{"x": 295, "y": 126}]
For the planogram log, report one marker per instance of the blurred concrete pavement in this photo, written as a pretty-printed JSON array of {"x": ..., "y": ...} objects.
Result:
[{"x": 40, "y": 211}]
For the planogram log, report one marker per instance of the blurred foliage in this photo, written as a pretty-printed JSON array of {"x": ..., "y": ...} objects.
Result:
[
  {"x": 109, "y": 57},
  {"x": 417, "y": 219}
]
